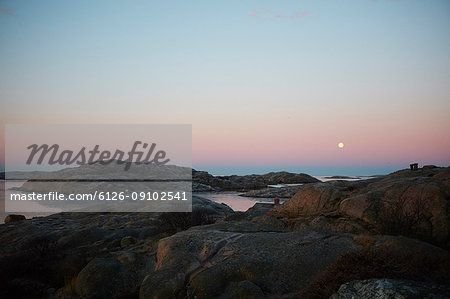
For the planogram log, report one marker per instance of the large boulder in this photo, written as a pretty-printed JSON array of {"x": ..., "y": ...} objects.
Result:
[
  {"x": 411, "y": 203},
  {"x": 246, "y": 255},
  {"x": 312, "y": 199}
]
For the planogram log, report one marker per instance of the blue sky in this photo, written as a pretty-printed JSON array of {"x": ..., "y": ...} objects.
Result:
[{"x": 372, "y": 74}]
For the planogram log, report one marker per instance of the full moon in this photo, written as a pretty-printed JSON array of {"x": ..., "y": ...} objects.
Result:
[{"x": 340, "y": 144}]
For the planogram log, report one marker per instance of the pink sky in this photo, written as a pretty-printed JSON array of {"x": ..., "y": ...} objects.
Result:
[
  {"x": 279, "y": 146},
  {"x": 274, "y": 86}
]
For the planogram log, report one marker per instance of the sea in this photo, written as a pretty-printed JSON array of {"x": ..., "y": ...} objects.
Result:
[{"x": 230, "y": 198}]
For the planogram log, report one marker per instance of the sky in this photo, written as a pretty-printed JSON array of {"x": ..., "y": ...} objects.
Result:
[{"x": 266, "y": 85}]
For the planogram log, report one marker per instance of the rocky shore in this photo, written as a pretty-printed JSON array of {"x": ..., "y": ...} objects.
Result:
[
  {"x": 203, "y": 181},
  {"x": 386, "y": 237},
  {"x": 74, "y": 179}
]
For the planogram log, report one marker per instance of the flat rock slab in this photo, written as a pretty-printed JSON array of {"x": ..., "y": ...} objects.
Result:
[{"x": 269, "y": 262}]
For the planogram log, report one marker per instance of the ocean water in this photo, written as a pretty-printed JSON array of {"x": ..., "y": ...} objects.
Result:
[{"x": 232, "y": 199}]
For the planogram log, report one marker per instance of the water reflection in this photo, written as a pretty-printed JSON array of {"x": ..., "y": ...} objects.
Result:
[{"x": 233, "y": 200}]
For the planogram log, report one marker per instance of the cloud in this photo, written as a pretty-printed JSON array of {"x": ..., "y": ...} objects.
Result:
[
  {"x": 262, "y": 12},
  {"x": 6, "y": 11}
]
